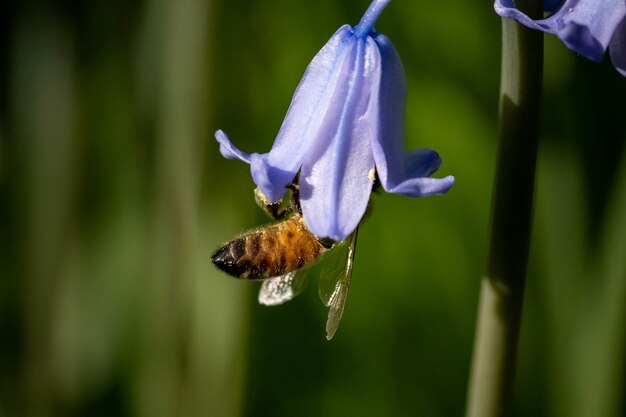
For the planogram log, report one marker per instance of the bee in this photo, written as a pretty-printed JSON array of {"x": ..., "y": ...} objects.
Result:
[
  {"x": 281, "y": 255},
  {"x": 270, "y": 251}
]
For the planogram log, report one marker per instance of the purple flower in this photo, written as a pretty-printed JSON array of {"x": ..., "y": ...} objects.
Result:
[
  {"x": 344, "y": 126},
  {"x": 588, "y": 27}
]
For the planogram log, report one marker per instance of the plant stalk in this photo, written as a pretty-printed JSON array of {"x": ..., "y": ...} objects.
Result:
[{"x": 502, "y": 291}]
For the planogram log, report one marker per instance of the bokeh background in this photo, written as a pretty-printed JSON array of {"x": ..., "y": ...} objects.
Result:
[{"x": 113, "y": 196}]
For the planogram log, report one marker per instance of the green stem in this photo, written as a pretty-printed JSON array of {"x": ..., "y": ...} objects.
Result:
[{"x": 502, "y": 291}]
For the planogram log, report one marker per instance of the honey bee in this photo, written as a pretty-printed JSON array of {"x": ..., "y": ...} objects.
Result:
[
  {"x": 270, "y": 251},
  {"x": 281, "y": 254}
]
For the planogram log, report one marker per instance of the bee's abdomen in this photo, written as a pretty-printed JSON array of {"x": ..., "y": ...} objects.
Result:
[
  {"x": 229, "y": 258},
  {"x": 270, "y": 252}
]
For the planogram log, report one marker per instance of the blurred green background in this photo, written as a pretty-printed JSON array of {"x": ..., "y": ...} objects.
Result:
[{"x": 113, "y": 196}]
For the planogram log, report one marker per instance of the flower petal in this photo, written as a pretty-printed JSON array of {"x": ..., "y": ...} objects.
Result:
[
  {"x": 585, "y": 26},
  {"x": 336, "y": 179},
  {"x": 228, "y": 150},
  {"x": 423, "y": 187},
  {"x": 507, "y": 9},
  {"x": 421, "y": 163},
  {"x": 617, "y": 48},
  {"x": 264, "y": 175},
  {"x": 272, "y": 172},
  {"x": 588, "y": 26},
  {"x": 398, "y": 172},
  {"x": 388, "y": 140}
]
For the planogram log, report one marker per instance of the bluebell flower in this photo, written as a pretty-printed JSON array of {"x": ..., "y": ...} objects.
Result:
[
  {"x": 588, "y": 27},
  {"x": 345, "y": 126}
]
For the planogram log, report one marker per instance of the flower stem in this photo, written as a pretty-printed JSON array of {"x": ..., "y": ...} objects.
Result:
[
  {"x": 502, "y": 291},
  {"x": 366, "y": 24}
]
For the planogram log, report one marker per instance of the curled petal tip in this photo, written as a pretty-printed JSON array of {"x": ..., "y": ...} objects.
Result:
[
  {"x": 228, "y": 150},
  {"x": 270, "y": 179},
  {"x": 435, "y": 186},
  {"x": 423, "y": 187},
  {"x": 445, "y": 184}
]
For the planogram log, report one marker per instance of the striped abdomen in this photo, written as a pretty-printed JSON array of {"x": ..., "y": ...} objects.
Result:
[{"x": 269, "y": 252}]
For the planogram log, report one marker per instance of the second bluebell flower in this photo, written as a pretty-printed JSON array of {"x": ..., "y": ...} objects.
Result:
[{"x": 588, "y": 27}]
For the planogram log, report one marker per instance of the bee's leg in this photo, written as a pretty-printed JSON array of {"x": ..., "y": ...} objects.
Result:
[
  {"x": 276, "y": 210},
  {"x": 326, "y": 242}
]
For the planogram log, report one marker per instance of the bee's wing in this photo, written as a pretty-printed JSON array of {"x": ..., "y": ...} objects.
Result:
[
  {"x": 278, "y": 290},
  {"x": 332, "y": 270},
  {"x": 335, "y": 281}
]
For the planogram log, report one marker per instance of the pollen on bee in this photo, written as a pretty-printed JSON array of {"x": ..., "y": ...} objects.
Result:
[{"x": 371, "y": 174}]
